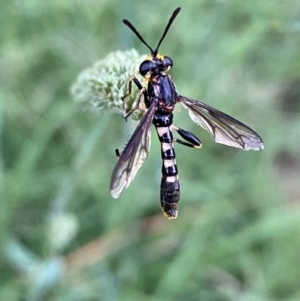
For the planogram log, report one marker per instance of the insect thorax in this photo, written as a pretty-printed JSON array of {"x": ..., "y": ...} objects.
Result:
[{"x": 161, "y": 87}]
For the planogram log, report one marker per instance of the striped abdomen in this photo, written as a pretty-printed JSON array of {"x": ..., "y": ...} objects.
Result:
[{"x": 169, "y": 188}]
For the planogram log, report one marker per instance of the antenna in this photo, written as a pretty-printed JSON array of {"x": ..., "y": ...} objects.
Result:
[
  {"x": 175, "y": 13},
  {"x": 154, "y": 53},
  {"x": 126, "y": 22}
]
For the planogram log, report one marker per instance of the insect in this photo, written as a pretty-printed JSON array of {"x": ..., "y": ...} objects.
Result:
[{"x": 160, "y": 98}]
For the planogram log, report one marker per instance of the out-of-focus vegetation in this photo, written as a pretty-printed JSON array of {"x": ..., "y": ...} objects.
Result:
[{"x": 64, "y": 238}]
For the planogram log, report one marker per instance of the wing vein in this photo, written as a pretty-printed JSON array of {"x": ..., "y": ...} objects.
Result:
[
  {"x": 223, "y": 128},
  {"x": 134, "y": 154}
]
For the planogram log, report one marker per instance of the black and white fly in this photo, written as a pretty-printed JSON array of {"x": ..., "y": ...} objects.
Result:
[{"x": 160, "y": 98}]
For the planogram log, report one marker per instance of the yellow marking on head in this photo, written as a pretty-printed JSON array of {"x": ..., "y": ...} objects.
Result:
[{"x": 160, "y": 56}]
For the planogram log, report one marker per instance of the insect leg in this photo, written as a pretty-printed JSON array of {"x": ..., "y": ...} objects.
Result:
[
  {"x": 117, "y": 153},
  {"x": 138, "y": 84},
  {"x": 192, "y": 140},
  {"x": 143, "y": 91}
]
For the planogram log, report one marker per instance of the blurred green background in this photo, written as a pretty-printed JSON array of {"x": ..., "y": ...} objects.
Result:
[{"x": 64, "y": 238}]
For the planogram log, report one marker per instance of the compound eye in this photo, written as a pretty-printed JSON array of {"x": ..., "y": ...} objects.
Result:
[
  {"x": 168, "y": 63},
  {"x": 146, "y": 67}
]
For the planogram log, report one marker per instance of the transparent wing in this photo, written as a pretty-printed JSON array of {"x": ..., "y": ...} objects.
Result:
[
  {"x": 223, "y": 128},
  {"x": 133, "y": 156}
]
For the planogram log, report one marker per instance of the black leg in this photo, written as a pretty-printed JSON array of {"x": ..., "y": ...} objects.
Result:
[
  {"x": 117, "y": 153},
  {"x": 192, "y": 140},
  {"x": 143, "y": 91},
  {"x": 138, "y": 84}
]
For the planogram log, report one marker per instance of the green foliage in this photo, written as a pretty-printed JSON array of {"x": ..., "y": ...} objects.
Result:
[{"x": 62, "y": 235}]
